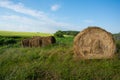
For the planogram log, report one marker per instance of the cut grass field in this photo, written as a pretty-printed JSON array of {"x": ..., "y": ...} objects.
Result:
[
  {"x": 53, "y": 62},
  {"x": 12, "y": 33}
]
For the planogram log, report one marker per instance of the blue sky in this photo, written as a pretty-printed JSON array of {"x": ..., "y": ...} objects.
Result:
[{"x": 51, "y": 15}]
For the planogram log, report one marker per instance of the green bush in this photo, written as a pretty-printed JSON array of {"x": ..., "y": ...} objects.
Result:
[
  {"x": 1, "y": 41},
  {"x": 59, "y": 34},
  {"x": 118, "y": 46},
  {"x": 8, "y": 40}
]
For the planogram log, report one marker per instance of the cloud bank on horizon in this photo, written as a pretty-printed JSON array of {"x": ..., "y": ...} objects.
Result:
[
  {"x": 18, "y": 16},
  {"x": 41, "y": 21}
]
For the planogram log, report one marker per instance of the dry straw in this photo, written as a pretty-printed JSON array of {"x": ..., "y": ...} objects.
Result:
[
  {"x": 38, "y": 41},
  {"x": 94, "y": 43}
]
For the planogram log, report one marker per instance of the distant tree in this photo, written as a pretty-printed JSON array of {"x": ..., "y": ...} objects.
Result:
[
  {"x": 73, "y": 33},
  {"x": 117, "y": 36},
  {"x": 59, "y": 34}
]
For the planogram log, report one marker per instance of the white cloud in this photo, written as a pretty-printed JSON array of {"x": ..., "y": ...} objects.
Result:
[
  {"x": 21, "y": 9},
  {"x": 55, "y": 7},
  {"x": 20, "y": 23},
  {"x": 41, "y": 22}
]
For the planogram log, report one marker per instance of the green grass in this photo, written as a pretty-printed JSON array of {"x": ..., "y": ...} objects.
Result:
[
  {"x": 53, "y": 62},
  {"x": 11, "y": 33}
]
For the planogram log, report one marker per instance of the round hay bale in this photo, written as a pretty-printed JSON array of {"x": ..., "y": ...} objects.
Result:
[
  {"x": 48, "y": 40},
  {"x": 25, "y": 42},
  {"x": 94, "y": 43},
  {"x": 35, "y": 42}
]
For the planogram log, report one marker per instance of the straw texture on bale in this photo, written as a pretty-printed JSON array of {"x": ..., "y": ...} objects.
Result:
[
  {"x": 35, "y": 42},
  {"x": 38, "y": 41},
  {"x": 25, "y": 42},
  {"x": 94, "y": 43},
  {"x": 48, "y": 40}
]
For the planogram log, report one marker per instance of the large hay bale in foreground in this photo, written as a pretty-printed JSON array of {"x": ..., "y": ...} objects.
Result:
[{"x": 94, "y": 43}]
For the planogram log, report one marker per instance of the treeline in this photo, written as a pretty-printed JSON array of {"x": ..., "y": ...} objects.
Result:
[
  {"x": 117, "y": 36},
  {"x": 117, "y": 40},
  {"x": 62, "y": 33}
]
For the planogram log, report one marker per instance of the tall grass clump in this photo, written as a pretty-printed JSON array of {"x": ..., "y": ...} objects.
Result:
[{"x": 54, "y": 62}]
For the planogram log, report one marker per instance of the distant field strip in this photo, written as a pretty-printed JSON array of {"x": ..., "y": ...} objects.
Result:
[{"x": 11, "y": 33}]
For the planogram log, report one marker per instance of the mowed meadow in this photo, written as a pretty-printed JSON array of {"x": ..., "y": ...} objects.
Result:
[{"x": 53, "y": 62}]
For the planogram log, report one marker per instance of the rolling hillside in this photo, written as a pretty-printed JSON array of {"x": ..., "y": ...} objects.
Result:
[{"x": 12, "y": 33}]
